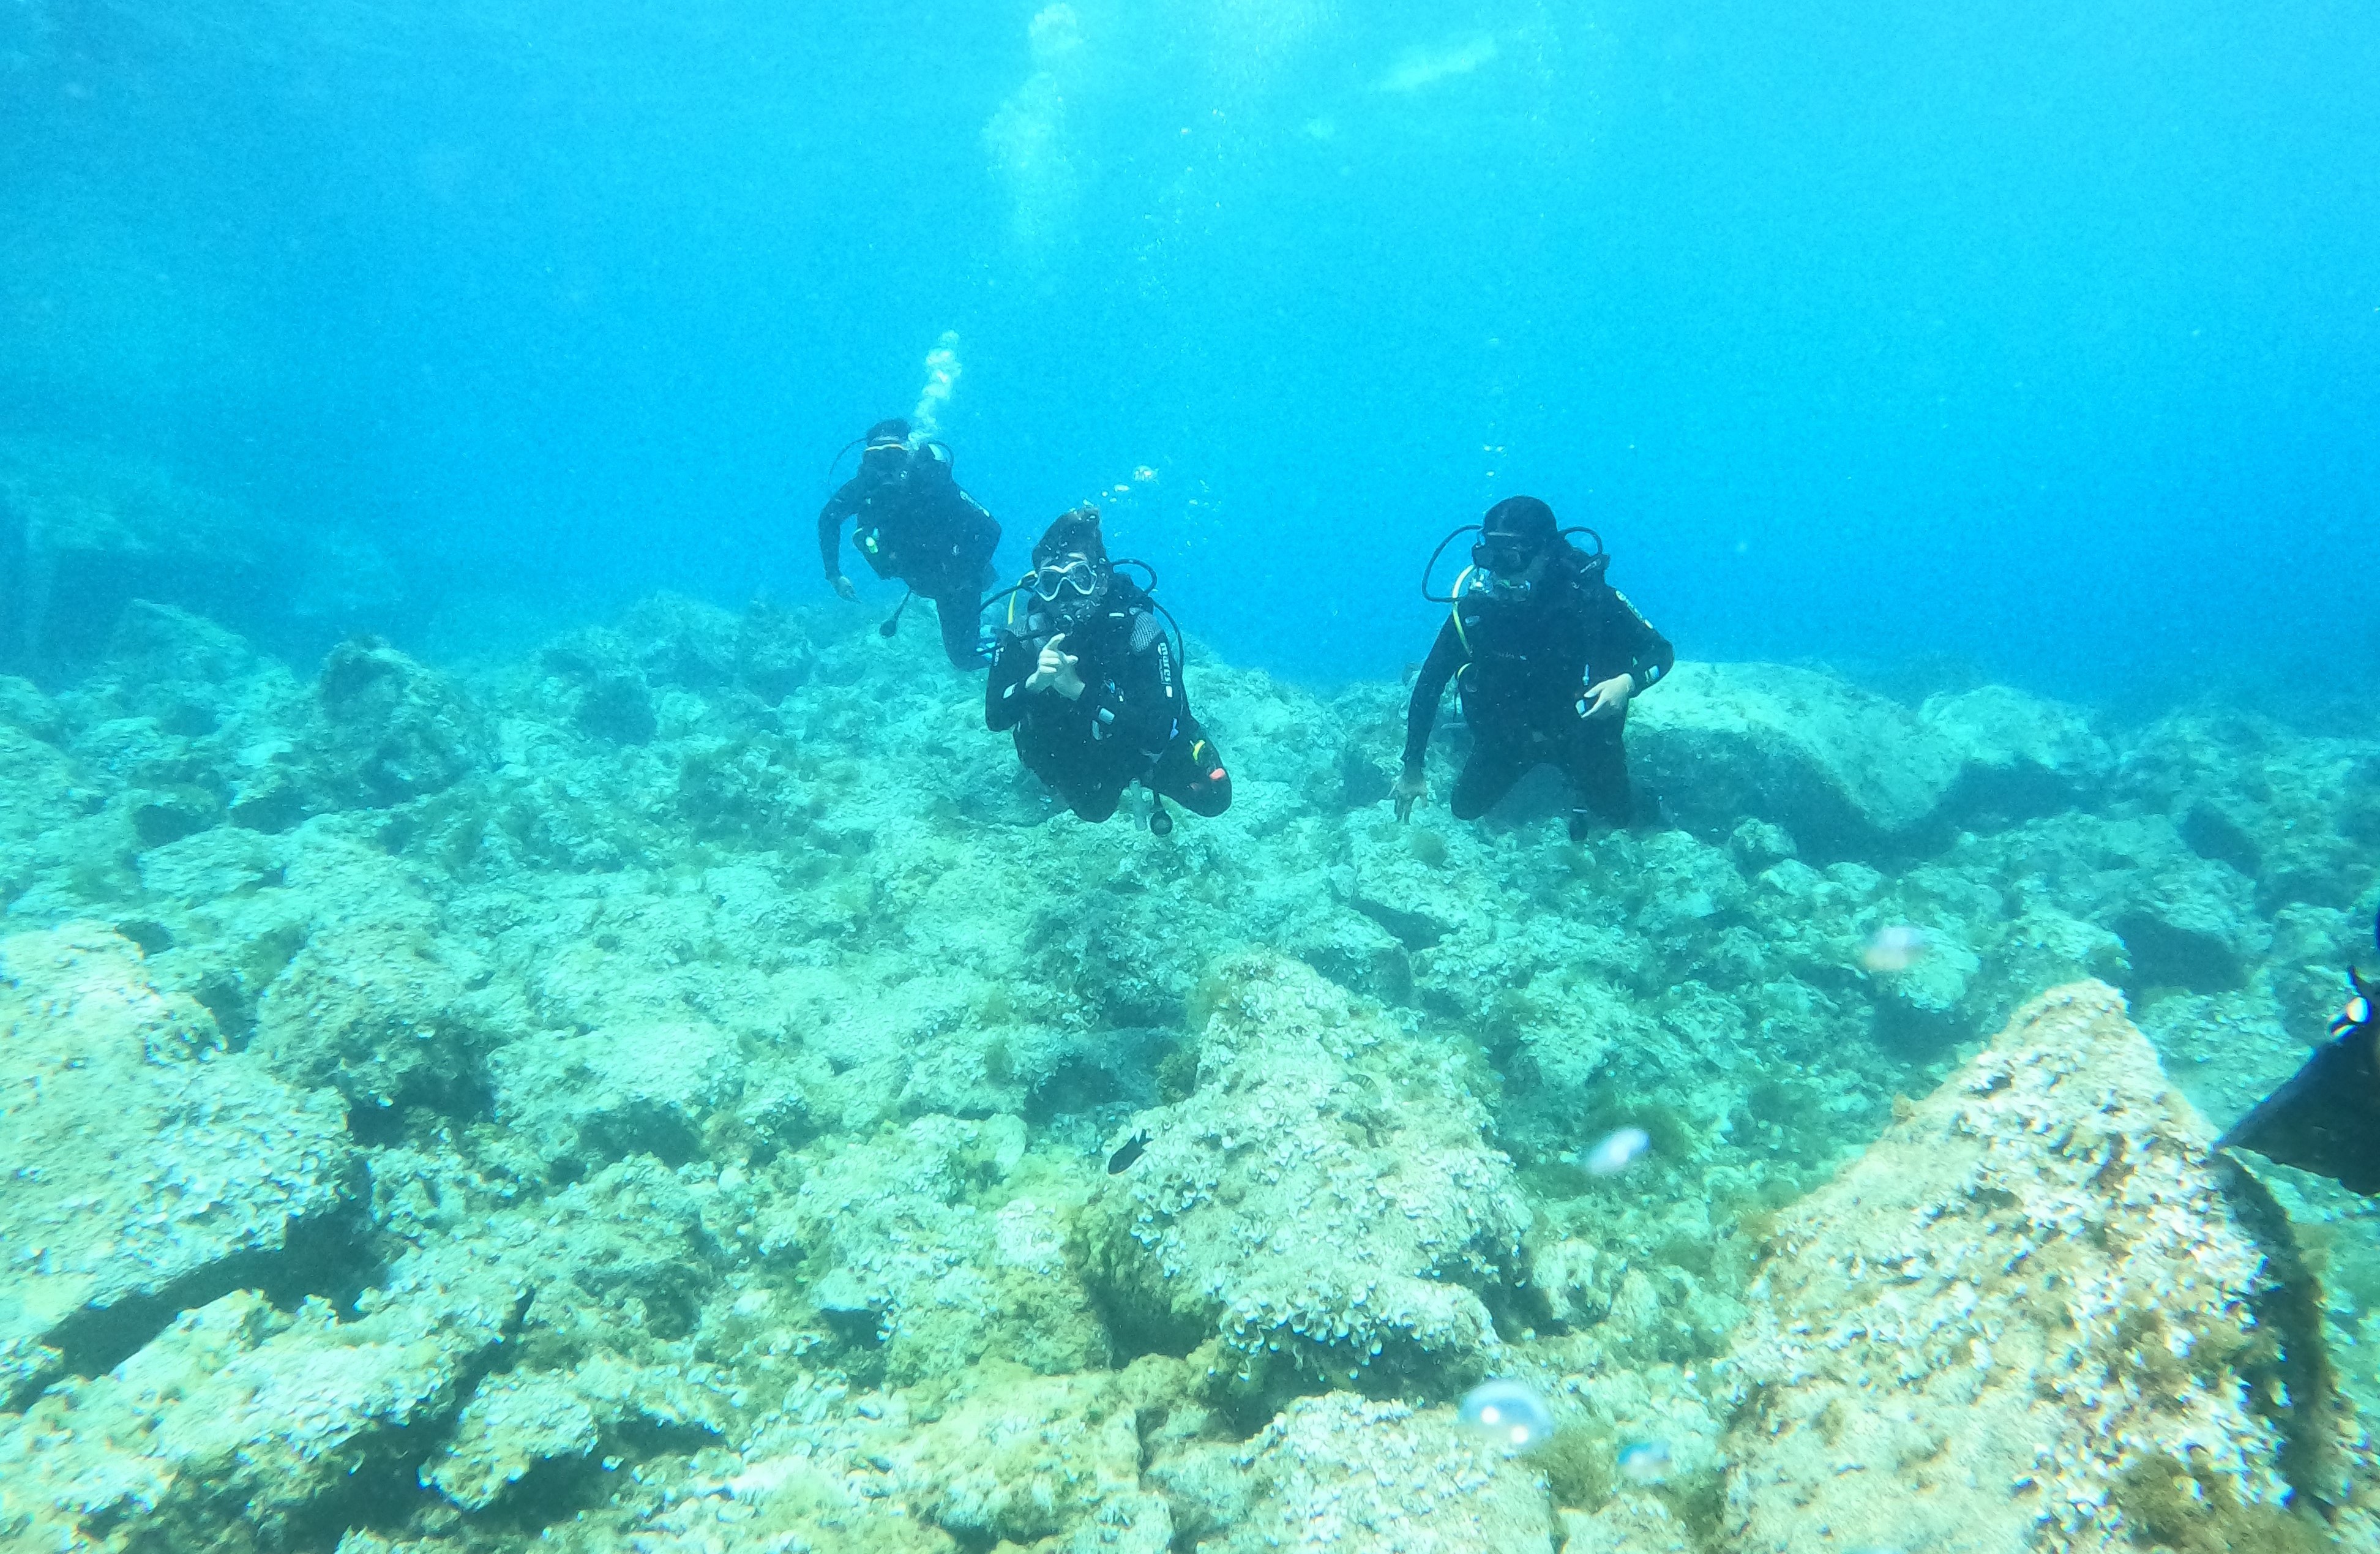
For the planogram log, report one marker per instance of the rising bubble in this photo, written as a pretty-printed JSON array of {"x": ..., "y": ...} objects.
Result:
[{"x": 1510, "y": 1413}]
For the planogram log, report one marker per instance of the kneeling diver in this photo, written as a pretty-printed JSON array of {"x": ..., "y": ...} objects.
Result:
[
  {"x": 2326, "y": 1118},
  {"x": 1546, "y": 656},
  {"x": 1091, "y": 682}
]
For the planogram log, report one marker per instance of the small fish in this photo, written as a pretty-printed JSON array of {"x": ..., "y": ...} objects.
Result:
[
  {"x": 1510, "y": 1413},
  {"x": 1896, "y": 947},
  {"x": 1121, "y": 1161},
  {"x": 1618, "y": 1151},
  {"x": 1645, "y": 1462}
]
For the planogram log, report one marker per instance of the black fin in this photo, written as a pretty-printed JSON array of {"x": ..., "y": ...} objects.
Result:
[{"x": 2326, "y": 1119}]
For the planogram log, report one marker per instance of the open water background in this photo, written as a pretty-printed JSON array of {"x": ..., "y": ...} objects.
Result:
[{"x": 2042, "y": 338}]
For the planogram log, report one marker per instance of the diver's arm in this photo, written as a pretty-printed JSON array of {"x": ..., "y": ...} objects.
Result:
[
  {"x": 832, "y": 517},
  {"x": 1421, "y": 712},
  {"x": 1005, "y": 694},
  {"x": 1650, "y": 657}
]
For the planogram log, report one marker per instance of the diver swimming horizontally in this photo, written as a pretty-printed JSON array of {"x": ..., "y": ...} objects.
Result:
[
  {"x": 1546, "y": 655},
  {"x": 1091, "y": 682},
  {"x": 2326, "y": 1118},
  {"x": 915, "y": 526}
]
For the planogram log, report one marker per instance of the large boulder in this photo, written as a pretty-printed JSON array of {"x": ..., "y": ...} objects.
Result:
[
  {"x": 1324, "y": 1199},
  {"x": 1849, "y": 773},
  {"x": 142, "y": 1168},
  {"x": 2039, "y": 1308}
]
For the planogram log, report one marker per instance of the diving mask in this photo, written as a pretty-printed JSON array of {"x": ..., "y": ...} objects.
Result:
[
  {"x": 1077, "y": 573},
  {"x": 1502, "y": 555}
]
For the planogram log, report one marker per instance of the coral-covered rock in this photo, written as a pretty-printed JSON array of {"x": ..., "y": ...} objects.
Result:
[
  {"x": 2033, "y": 1310},
  {"x": 1323, "y": 1196},
  {"x": 141, "y": 1167}
]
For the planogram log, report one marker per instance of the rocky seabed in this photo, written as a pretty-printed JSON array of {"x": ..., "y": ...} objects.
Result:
[{"x": 684, "y": 1090}]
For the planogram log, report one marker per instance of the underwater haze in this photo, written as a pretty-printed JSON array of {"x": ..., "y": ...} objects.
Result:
[{"x": 2042, "y": 342}]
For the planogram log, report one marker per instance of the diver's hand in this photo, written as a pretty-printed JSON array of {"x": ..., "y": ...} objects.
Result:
[
  {"x": 843, "y": 586},
  {"x": 1412, "y": 785},
  {"x": 1058, "y": 670},
  {"x": 1608, "y": 698}
]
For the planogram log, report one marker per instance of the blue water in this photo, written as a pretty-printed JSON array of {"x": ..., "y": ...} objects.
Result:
[{"x": 2040, "y": 337}]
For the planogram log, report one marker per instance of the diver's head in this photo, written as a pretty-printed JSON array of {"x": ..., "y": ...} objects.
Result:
[
  {"x": 1070, "y": 564},
  {"x": 887, "y": 445},
  {"x": 1517, "y": 538}
]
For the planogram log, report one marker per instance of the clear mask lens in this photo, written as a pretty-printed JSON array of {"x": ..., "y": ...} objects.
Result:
[{"x": 1077, "y": 576}]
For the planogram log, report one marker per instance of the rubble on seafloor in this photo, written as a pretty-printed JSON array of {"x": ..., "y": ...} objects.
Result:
[{"x": 684, "y": 1090}]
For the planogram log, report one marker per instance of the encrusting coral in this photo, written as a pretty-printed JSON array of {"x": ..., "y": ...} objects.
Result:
[{"x": 684, "y": 1089}]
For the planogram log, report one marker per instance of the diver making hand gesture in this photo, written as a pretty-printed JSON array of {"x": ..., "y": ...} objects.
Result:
[
  {"x": 1058, "y": 670},
  {"x": 1090, "y": 681}
]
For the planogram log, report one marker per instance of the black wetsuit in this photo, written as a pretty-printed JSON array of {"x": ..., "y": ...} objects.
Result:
[
  {"x": 1523, "y": 666},
  {"x": 1132, "y": 723},
  {"x": 915, "y": 524}
]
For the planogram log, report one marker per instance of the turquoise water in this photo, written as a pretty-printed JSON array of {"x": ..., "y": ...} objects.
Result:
[
  {"x": 529, "y": 1023},
  {"x": 1861, "y": 333}
]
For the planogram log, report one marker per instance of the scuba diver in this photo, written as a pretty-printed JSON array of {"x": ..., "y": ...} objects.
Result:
[
  {"x": 1091, "y": 682},
  {"x": 915, "y": 526},
  {"x": 2326, "y": 1118},
  {"x": 1546, "y": 655}
]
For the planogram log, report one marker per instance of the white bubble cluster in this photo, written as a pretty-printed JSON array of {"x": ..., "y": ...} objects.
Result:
[
  {"x": 1507, "y": 1412},
  {"x": 1896, "y": 947},
  {"x": 1617, "y": 1151},
  {"x": 943, "y": 370}
]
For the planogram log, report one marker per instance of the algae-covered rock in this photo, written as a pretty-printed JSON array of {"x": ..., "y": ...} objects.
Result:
[
  {"x": 641, "y": 1087},
  {"x": 381, "y": 1013},
  {"x": 1341, "y": 1473},
  {"x": 245, "y": 1429},
  {"x": 2025, "y": 1314},
  {"x": 1324, "y": 1194},
  {"x": 86, "y": 529},
  {"x": 521, "y": 1420},
  {"x": 918, "y": 1248},
  {"x": 391, "y": 729},
  {"x": 2019, "y": 756},
  {"x": 1056, "y": 1459},
  {"x": 142, "y": 1166}
]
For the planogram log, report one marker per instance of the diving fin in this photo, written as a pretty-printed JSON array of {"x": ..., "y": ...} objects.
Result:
[{"x": 2326, "y": 1118}]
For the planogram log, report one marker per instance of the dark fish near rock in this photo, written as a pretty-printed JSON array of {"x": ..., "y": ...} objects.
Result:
[
  {"x": 1121, "y": 1160},
  {"x": 2326, "y": 1119}
]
